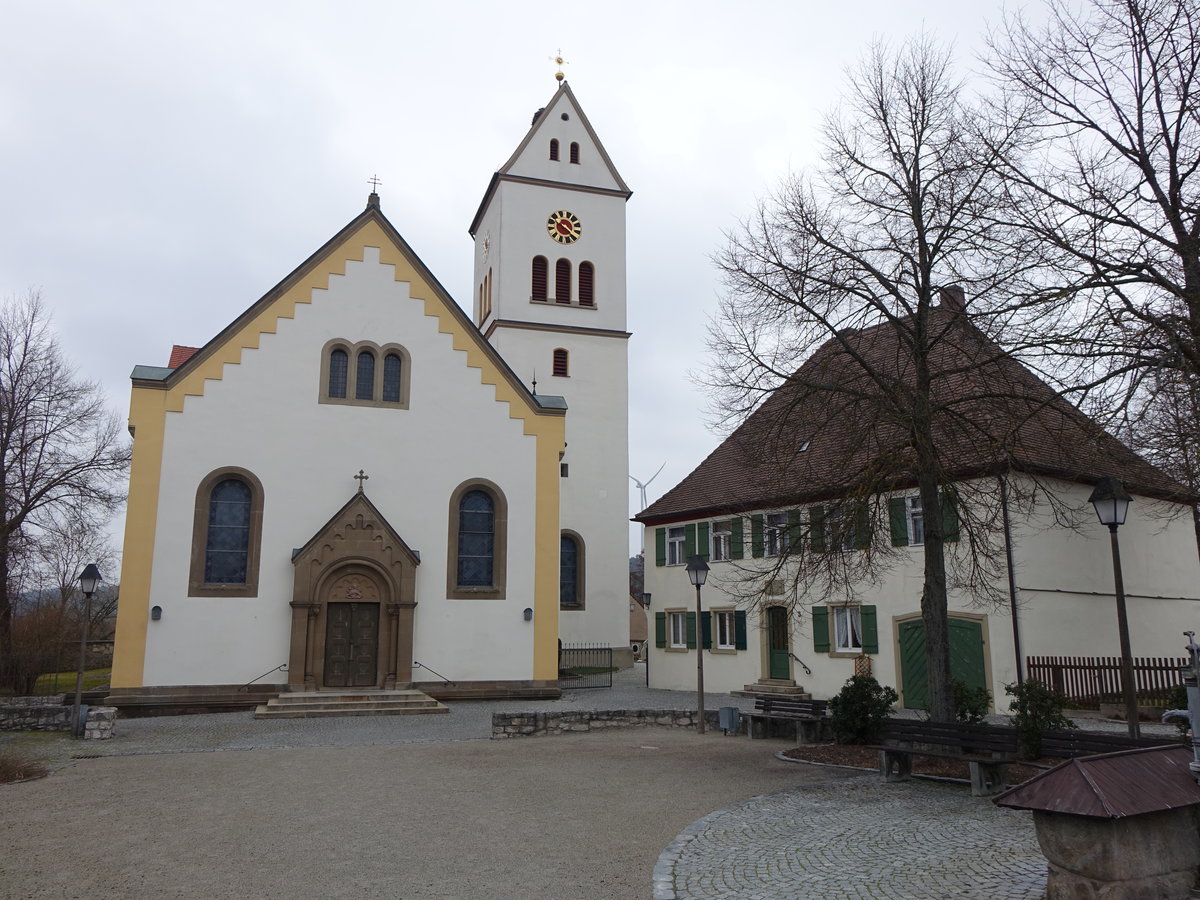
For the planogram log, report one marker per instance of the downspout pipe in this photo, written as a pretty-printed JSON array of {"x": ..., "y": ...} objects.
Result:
[{"x": 1012, "y": 577}]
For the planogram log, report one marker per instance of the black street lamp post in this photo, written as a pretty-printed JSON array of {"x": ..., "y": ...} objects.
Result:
[
  {"x": 1111, "y": 502},
  {"x": 87, "y": 583},
  {"x": 697, "y": 570}
]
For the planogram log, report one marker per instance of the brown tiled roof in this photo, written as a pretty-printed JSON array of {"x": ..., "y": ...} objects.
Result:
[
  {"x": 181, "y": 354},
  {"x": 828, "y": 429}
]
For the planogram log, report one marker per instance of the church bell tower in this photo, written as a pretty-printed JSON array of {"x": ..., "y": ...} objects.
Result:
[{"x": 550, "y": 296}]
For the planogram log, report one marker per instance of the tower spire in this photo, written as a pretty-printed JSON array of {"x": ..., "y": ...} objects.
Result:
[{"x": 558, "y": 60}]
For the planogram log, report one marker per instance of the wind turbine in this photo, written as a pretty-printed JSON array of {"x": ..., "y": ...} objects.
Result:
[{"x": 644, "y": 484}]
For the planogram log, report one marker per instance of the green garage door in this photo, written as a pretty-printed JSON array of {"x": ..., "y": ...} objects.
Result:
[{"x": 966, "y": 659}]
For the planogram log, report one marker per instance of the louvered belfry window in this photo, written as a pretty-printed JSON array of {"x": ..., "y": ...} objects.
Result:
[
  {"x": 561, "y": 363},
  {"x": 575, "y": 153},
  {"x": 554, "y": 149},
  {"x": 587, "y": 278},
  {"x": 539, "y": 278},
  {"x": 562, "y": 281}
]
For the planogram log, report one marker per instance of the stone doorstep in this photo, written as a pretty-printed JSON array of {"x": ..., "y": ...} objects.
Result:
[
  {"x": 305, "y": 712},
  {"x": 364, "y": 696},
  {"x": 326, "y": 704}
]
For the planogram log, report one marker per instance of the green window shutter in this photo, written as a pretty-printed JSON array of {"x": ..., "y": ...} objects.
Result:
[
  {"x": 816, "y": 528},
  {"x": 739, "y": 629},
  {"x": 702, "y": 546},
  {"x": 756, "y": 536},
  {"x": 820, "y": 624},
  {"x": 862, "y": 526},
  {"x": 898, "y": 517},
  {"x": 689, "y": 543},
  {"x": 691, "y": 631},
  {"x": 660, "y": 546},
  {"x": 706, "y": 630},
  {"x": 735, "y": 539},
  {"x": 660, "y": 629},
  {"x": 870, "y": 630},
  {"x": 795, "y": 531},
  {"x": 949, "y": 516}
]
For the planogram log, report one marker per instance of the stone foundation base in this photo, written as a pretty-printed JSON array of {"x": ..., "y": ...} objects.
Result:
[{"x": 43, "y": 714}]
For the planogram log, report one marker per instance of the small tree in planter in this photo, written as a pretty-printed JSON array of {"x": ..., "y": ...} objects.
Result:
[{"x": 858, "y": 710}]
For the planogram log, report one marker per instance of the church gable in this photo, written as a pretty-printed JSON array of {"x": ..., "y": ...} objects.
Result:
[
  {"x": 369, "y": 237},
  {"x": 562, "y": 147}
]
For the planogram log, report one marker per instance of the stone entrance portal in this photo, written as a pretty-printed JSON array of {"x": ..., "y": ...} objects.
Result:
[{"x": 352, "y": 605}]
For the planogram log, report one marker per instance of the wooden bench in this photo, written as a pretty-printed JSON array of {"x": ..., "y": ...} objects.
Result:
[
  {"x": 810, "y": 717},
  {"x": 987, "y": 749},
  {"x": 1072, "y": 742}
]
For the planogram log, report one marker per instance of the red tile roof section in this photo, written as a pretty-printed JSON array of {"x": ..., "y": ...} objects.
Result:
[
  {"x": 987, "y": 408},
  {"x": 181, "y": 354}
]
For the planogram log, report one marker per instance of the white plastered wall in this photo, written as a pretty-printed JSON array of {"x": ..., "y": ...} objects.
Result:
[{"x": 263, "y": 416}]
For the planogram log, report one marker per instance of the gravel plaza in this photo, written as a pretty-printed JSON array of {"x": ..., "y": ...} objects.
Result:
[{"x": 427, "y": 806}]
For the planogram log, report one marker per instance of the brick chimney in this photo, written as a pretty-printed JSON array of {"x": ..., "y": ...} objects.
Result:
[{"x": 953, "y": 297}]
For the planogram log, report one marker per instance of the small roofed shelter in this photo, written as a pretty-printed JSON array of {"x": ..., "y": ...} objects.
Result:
[{"x": 1116, "y": 825}]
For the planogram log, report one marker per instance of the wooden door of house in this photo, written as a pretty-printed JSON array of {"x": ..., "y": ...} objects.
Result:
[
  {"x": 778, "y": 647},
  {"x": 351, "y": 644},
  {"x": 966, "y": 659}
]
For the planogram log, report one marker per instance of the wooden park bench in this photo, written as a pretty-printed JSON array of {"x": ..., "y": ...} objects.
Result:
[
  {"x": 810, "y": 717},
  {"x": 988, "y": 749},
  {"x": 1072, "y": 742}
]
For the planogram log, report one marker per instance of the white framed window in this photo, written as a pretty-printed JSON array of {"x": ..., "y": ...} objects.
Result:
[
  {"x": 722, "y": 540},
  {"x": 775, "y": 528},
  {"x": 847, "y": 629},
  {"x": 675, "y": 546},
  {"x": 915, "y": 517},
  {"x": 726, "y": 634},
  {"x": 677, "y": 630}
]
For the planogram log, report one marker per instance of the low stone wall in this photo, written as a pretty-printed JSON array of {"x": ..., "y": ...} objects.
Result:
[
  {"x": 533, "y": 724},
  {"x": 43, "y": 714}
]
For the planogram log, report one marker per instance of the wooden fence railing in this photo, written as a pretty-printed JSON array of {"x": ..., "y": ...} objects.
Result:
[{"x": 1088, "y": 681}]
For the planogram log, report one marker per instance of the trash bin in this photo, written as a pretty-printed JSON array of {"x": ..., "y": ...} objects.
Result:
[{"x": 728, "y": 718}]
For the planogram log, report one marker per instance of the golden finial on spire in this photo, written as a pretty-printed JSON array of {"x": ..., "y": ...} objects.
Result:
[{"x": 560, "y": 62}]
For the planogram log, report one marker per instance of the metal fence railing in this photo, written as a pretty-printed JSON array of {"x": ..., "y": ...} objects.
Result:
[
  {"x": 1088, "y": 681},
  {"x": 585, "y": 666}
]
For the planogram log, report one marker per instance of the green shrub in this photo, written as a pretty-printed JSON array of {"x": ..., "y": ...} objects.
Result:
[
  {"x": 971, "y": 704},
  {"x": 858, "y": 711},
  {"x": 1036, "y": 709},
  {"x": 1177, "y": 699}
]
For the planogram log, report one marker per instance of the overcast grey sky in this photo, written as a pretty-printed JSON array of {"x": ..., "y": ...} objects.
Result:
[{"x": 163, "y": 165}]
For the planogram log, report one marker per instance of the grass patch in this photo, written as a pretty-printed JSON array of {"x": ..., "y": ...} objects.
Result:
[
  {"x": 16, "y": 766},
  {"x": 64, "y": 682}
]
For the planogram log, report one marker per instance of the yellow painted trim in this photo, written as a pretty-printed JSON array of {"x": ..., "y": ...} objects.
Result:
[
  {"x": 547, "y": 544},
  {"x": 147, "y": 417}
]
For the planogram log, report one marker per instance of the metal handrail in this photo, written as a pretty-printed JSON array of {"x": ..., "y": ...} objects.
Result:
[
  {"x": 427, "y": 669},
  {"x": 246, "y": 686},
  {"x": 807, "y": 670}
]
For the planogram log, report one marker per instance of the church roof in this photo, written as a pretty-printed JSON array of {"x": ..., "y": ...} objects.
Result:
[
  {"x": 185, "y": 362},
  {"x": 805, "y": 444},
  {"x": 564, "y": 96}
]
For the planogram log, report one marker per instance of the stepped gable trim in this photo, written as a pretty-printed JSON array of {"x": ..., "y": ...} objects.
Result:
[
  {"x": 503, "y": 174},
  {"x": 731, "y": 479},
  {"x": 313, "y": 274}
]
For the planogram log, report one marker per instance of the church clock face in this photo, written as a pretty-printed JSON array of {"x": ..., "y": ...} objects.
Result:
[{"x": 564, "y": 227}]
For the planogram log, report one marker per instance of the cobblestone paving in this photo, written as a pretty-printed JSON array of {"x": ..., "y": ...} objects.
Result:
[{"x": 856, "y": 839}]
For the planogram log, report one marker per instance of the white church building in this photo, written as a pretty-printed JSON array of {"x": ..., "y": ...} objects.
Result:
[{"x": 357, "y": 484}]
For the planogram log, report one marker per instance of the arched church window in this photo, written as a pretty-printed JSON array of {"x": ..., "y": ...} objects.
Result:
[
  {"x": 587, "y": 285},
  {"x": 478, "y": 541},
  {"x": 339, "y": 363},
  {"x": 570, "y": 571},
  {"x": 226, "y": 534},
  {"x": 560, "y": 363},
  {"x": 540, "y": 267},
  {"x": 574, "y": 153},
  {"x": 364, "y": 376},
  {"x": 392, "y": 368},
  {"x": 562, "y": 281},
  {"x": 554, "y": 149}
]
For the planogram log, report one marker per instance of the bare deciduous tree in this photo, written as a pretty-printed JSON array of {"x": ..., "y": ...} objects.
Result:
[
  {"x": 61, "y": 450},
  {"x": 1110, "y": 190}
]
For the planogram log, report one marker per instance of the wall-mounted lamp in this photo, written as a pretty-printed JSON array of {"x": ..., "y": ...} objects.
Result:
[
  {"x": 528, "y": 614},
  {"x": 155, "y": 613}
]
